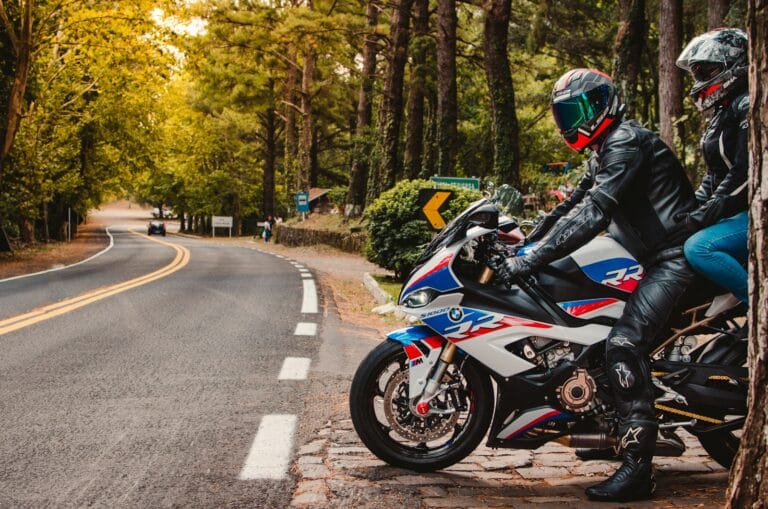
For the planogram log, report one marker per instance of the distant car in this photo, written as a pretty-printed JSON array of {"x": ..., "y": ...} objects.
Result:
[{"x": 156, "y": 227}]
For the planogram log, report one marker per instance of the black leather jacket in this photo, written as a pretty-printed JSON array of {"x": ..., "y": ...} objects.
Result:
[
  {"x": 723, "y": 192},
  {"x": 635, "y": 186}
]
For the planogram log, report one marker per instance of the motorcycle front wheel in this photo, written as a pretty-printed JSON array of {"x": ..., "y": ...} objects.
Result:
[{"x": 381, "y": 414}]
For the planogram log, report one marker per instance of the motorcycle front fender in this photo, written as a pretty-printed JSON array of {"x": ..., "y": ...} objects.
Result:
[{"x": 422, "y": 346}]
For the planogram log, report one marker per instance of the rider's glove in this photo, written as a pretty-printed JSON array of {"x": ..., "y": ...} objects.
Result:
[
  {"x": 686, "y": 226},
  {"x": 510, "y": 269}
]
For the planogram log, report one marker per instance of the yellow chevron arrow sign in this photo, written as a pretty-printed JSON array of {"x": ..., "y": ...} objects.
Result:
[{"x": 431, "y": 201}]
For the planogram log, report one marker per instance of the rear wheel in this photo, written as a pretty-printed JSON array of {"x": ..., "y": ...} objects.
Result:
[
  {"x": 383, "y": 419},
  {"x": 723, "y": 446}
]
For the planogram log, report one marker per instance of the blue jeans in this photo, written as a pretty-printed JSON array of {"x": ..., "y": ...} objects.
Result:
[{"x": 719, "y": 252}]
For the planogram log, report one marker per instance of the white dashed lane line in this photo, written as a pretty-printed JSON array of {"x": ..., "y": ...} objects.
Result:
[
  {"x": 270, "y": 454},
  {"x": 294, "y": 368},
  {"x": 309, "y": 302},
  {"x": 305, "y": 329}
]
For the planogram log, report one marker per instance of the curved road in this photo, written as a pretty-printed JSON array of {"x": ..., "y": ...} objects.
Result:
[{"x": 153, "y": 396}]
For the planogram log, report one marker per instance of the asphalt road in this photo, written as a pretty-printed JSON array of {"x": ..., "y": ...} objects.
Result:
[{"x": 152, "y": 396}]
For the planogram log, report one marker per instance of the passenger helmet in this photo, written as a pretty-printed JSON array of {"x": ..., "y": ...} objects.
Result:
[
  {"x": 584, "y": 103},
  {"x": 717, "y": 60}
]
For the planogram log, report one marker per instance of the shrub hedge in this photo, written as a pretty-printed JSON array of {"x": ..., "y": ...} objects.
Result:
[{"x": 397, "y": 233}]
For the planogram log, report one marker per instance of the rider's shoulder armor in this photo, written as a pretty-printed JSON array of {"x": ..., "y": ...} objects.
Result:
[{"x": 720, "y": 141}]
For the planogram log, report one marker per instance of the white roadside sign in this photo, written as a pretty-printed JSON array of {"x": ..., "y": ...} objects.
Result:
[{"x": 221, "y": 222}]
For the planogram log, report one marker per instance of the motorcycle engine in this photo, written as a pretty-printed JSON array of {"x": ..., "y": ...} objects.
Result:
[
  {"x": 545, "y": 352},
  {"x": 577, "y": 394}
]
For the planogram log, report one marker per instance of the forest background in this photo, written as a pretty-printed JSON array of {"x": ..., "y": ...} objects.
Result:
[{"x": 230, "y": 107}]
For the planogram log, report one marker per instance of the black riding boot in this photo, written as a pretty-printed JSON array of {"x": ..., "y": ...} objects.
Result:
[{"x": 634, "y": 478}]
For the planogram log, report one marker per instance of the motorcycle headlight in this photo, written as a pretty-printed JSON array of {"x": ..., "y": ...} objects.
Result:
[{"x": 419, "y": 298}]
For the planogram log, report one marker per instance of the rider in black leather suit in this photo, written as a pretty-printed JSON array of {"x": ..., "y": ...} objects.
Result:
[
  {"x": 717, "y": 61},
  {"x": 634, "y": 187}
]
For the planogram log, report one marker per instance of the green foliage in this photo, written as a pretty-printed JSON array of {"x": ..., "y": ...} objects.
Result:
[
  {"x": 337, "y": 196},
  {"x": 91, "y": 107},
  {"x": 397, "y": 233},
  {"x": 121, "y": 98}
]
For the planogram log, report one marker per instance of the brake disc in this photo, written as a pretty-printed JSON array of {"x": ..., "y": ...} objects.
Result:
[{"x": 404, "y": 422}]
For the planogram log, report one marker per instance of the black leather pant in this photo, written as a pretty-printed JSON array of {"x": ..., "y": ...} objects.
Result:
[{"x": 631, "y": 339}]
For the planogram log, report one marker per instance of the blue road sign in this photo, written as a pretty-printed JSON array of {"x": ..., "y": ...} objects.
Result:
[{"x": 302, "y": 202}]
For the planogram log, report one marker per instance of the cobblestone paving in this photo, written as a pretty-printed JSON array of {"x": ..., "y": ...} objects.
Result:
[{"x": 336, "y": 470}]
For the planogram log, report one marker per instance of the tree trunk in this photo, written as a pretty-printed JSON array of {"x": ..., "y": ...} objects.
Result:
[
  {"x": 307, "y": 123},
  {"x": 270, "y": 157},
  {"x": 237, "y": 213},
  {"x": 429, "y": 167},
  {"x": 314, "y": 162},
  {"x": 22, "y": 42},
  {"x": 290, "y": 168},
  {"x": 391, "y": 110},
  {"x": 506, "y": 131},
  {"x": 748, "y": 486},
  {"x": 630, "y": 40},
  {"x": 716, "y": 12},
  {"x": 414, "y": 131},
  {"x": 671, "y": 76},
  {"x": 447, "y": 103},
  {"x": 361, "y": 151}
]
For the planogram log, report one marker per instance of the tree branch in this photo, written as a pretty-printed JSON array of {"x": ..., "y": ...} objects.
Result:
[
  {"x": 291, "y": 105},
  {"x": 80, "y": 94},
  {"x": 9, "y": 29}
]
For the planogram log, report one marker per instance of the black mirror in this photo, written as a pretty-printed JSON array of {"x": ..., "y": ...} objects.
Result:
[{"x": 486, "y": 216}]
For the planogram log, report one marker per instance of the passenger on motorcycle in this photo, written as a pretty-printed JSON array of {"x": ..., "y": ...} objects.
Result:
[
  {"x": 634, "y": 187},
  {"x": 717, "y": 60}
]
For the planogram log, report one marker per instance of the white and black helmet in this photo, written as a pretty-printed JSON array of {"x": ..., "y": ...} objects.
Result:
[{"x": 717, "y": 60}]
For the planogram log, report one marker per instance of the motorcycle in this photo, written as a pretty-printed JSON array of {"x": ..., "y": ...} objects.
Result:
[{"x": 528, "y": 362}]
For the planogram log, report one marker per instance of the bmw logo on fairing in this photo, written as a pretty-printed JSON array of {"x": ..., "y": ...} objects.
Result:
[{"x": 455, "y": 314}]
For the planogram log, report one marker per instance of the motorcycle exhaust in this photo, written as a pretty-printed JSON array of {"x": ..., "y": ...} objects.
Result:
[
  {"x": 667, "y": 444},
  {"x": 587, "y": 441}
]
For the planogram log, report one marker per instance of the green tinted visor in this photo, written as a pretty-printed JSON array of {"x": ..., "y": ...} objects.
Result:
[{"x": 576, "y": 111}]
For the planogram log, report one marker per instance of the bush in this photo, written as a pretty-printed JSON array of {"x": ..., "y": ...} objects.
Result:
[
  {"x": 397, "y": 234},
  {"x": 338, "y": 196}
]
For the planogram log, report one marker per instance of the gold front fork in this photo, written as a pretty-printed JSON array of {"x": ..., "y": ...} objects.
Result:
[
  {"x": 486, "y": 276},
  {"x": 448, "y": 352}
]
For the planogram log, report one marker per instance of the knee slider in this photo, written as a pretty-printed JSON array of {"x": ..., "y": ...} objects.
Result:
[{"x": 623, "y": 376}]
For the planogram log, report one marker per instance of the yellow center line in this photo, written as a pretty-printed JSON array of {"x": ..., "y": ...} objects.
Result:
[{"x": 65, "y": 306}]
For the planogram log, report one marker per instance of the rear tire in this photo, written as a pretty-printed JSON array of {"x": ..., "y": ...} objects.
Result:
[
  {"x": 383, "y": 374},
  {"x": 721, "y": 446}
]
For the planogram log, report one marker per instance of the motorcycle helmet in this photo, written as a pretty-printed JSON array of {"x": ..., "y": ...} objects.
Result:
[
  {"x": 584, "y": 104},
  {"x": 717, "y": 60}
]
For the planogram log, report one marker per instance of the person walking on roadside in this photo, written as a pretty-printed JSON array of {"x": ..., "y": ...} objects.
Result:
[{"x": 268, "y": 226}]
